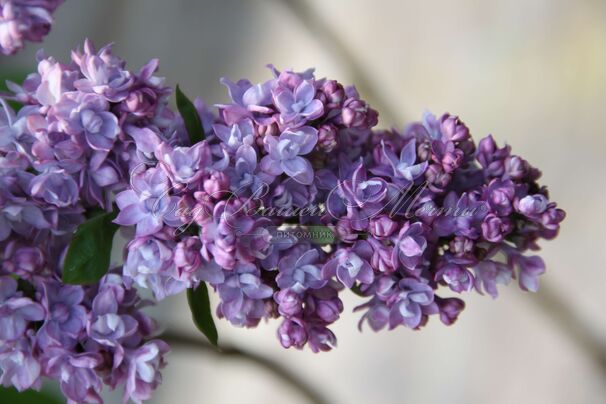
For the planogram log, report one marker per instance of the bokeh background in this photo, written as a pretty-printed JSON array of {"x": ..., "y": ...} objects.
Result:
[{"x": 531, "y": 72}]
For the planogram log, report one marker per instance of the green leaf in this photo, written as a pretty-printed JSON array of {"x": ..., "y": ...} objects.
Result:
[
  {"x": 321, "y": 235},
  {"x": 190, "y": 116},
  {"x": 199, "y": 304},
  {"x": 12, "y": 396},
  {"x": 88, "y": 255}
]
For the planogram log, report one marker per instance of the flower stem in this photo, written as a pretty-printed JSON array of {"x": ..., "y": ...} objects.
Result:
[{"x": 232, "y": 352}]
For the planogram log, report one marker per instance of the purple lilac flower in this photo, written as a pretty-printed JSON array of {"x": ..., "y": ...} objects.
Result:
[
  {"x": 242, "y": 284},
  {"x": 297, "y": 105},
  {"x": 299, "y": 272},
  {"x": 351, "y": 265},
  {"x": 284, "y": 154},
  {"x": 148, "y": 205},
  {"x": 16, "y": 310},
  {"x": 65, "y": 153},
  {"x": 24, "y": 20}
]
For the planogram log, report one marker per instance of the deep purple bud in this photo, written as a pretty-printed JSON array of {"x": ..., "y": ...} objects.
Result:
[
  {"x": 453, "y": 129},
  {"x": 552, "y": 217},
  {"x": 329, "y": 310},
  {"x": 142, "y": 102},
  {"x": 456, "y": 277},
  {"x": 516, "y": 167},
  {"x": 382, "y": 226},
  {"x": 436, "y": 176},
  {"x": 292, "y": 333},
  {"x": 321, "y": 339},
  {"x": 187, "y": 257},
  {"x": 450, "y": 308},
  {"x": 289, "y": 302},
  {"x": 327, "y": 138},
  {"x": 494, "y": 228},
  {"x": 355, "y": 113},
  {"x": 332, "y": 94}
]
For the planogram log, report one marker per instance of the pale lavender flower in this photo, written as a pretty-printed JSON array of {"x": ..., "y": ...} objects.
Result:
[
  {"x": 148, "y": 204},
  {"x": 236, "y": 135},
  {"x": 284, "y": 154},
  {"x": 300, "y": 271},
  {"x": 143, "y": 370},
  {"x": 411, "y": 297},
  {"x": 16, "y": 311},
  {"x": 351, "y": 265},
  {"x": 298, "y": 105}
]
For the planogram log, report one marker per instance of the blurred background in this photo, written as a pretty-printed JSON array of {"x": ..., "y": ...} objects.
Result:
[{"x": 531, "y": 72}]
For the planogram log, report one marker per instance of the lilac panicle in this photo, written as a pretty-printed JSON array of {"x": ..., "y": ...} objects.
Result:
[
  {"x": 70, "y": 149},
  {"x": 413, "y": 214}
]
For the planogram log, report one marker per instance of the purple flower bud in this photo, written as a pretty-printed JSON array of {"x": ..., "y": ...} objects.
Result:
[
  {"x": 327, "y": 138},
  {"x": 331, "y": 94},
  {"x": 142, "y": 102},
  {"x": 381, "y": 257},
  {"x": 453, "y": 129},
  {"x": 187, "y": 257},
  {"x": 292, "y": 333},
  {"x": 516, "y": 167},
  {"x": 289, "y": 302},
  {"x": 321, "y": 339},
  {"x": 456, "y": 277},
  {"x": 357, "y": 114},
  {"x": 500, "y": 195},
  {"x": 450, "y": 308},
  {"x": 494, "y": 228},
  {"x": 329, "y": 310},
  {"x": 436, "y": 176},
  {"x": 532, "y": 205},
  {"x": 492, "y": 158},
  {"x": 382, "y": 226},
  {"x": 552, "y": 217}
]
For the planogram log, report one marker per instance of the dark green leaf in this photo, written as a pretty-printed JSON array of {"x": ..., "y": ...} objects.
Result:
[
  {"x": 88, "y": 255},
  {"x": 190, "y": 116},
  {"x": 321, "y": 235},
  {"x": 12, "y": 396},
  {"x": 199, "y": 304}
]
